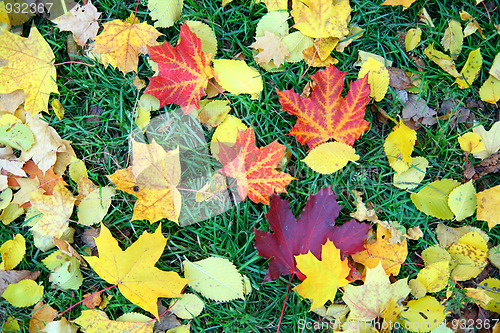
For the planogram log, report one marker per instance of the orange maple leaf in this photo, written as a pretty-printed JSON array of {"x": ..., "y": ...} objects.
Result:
[
  {"x": 254, "y": 168},
  {"x": 326, "y": 114},
  {"x": 184, "y": 72}
]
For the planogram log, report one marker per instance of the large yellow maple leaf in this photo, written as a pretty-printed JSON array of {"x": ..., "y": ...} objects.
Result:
[
  {"x": 134, "y": 271},
  {"x": 321, "y": 18},
  {"x": 124, "y": 41},
  {"x": 324, "y": 276},
  {"x": 29, "y": 66},
  {"x": 152, "y": 178}
]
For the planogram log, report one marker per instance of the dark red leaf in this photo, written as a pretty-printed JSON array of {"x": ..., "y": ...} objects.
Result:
[{"x": 350, "y": 237}]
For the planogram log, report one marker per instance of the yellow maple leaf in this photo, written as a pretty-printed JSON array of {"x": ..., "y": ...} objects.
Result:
[
  {"x": 370, "y": 300},
  {"x": 152, "y": 178},
  {"x": 272, "y": 48},
  {"x": 124, "y": 41},
  {"x": 321, "y": 18},
  {"x": 378, "y": 77},
  {"x": 30, "y": 66},
  {"x": 488, "y": 204},
  {"x": 133, "y": 270},
  {"x": 56, "y": 210},
  {"x": 324, "y": 276},
  {"x": 398, "y": 147},
  {"x": 405, "y": 3}
]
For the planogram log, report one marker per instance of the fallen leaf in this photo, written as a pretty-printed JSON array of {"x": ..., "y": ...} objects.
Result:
[
  {"x": 237, "y": 77},
  {"x": 213, "y": 112},
  {"x": 424, "y": 312},
  {"x": 412, "y": 177},
  {"x": 326, "y": 115},
  {"x": 272, "y": 48},
  {"x": 12, "y": 252},
  {"x": 276, "y": 22},
  {"x": 188, "y": 307},
  {"x": 296, "y": 43},
  {"x": 165, "y": 13},
  {"x": 469, "y": 256},
  {"x": 412, "y": 39},
  {"x": 398, "y": 147},
  {"x": 330, "y": 157},
  {"x": 491, "y": 286},
  {"x": 23, "y": 293},
  {"x": 226, "y": 133},
  {"x": 206, "y": 36},
  {"x": 321, "y": 18},
  {"x": 433, "y": 198},
  {"x": 312, "y": 58},
  {"x": 254, "y": 168},
  {"x": 488, "y": 203},
  {"x": 11, "y": 277},
  {"x": 41, "y": 315},
  {"x": 462, "y": 201},
  {"x": 490, "y": 90},
  {"x": 323, "y": 277},
  {"x": 405, "y": 3},
  {"x": 471, "y": 142},
  {"x": 470, "y": 70},
  {"x": 453, "y": 38},
  {"x": 152, "y": 178},
  {"x": 490, "y": 138},
  {"x": 495, "y": 67},
  {"x": 398, "y": 79},
  {"x": 425, "y": 17},
  {"x": 133, "y": 270},
  {"x": 82, "y": 21},
  {"x": 378, "y": 77},
  {"x": 29, "y": 66},
  {"x": 95, "y": 321},
  {"x": 442, "y": 60},
  {"x": 275, "y": 4},
  {"x": 472, "y": 24}
]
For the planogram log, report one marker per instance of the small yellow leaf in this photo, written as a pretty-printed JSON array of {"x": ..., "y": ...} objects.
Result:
[
  {"x": 442, "y": 60},
  {"x": 95, "y": 205},
  {"x": 378, "y": 77},
  {"x": 433, "y": 198},
  {"x": 469, "y": 256},
  {"x": 237, "y": 77},
  {"x": 471, "y": 142},
  {"x": 495, "y": 67},
  {"x": 181, "y": 328},
  {"x": 490, "y": 138},
  {"x": 165, "y": 13},
  {"x": 188, "y": 307},
  {"x": 146, "y": 104},
  {"x": 95, "y": 321},
  {"x": 425, "y": 17},
  {"x": 296, "y": 42},
  {"x": 206, "y": 36},
  {"x": 398, "y": 147},
  {"x": 12, "y": 252},
  {"x": 410, "y": 178},
  {"x": 58, "y": 108},
  {"x": 490, "y": 90},
  {"x": 425, "y": 313},
  {"x": 226, "y": 133},
  {"x": 276, "y": 22},
  {"x": 488, "y": 206},
  {"x": 330, "y": 157},
  {"x": 213, "y": 112},
  {"x": 24, "y": 293},
  {"x": 453, "y": 38},
  {"x": 462, "y": 201},
  {"x": 491, "y": 287},
  {"x": 67, "y": 275},
  {"x": 412, "y": 39},
  {"x": 77, "y": 170},
  {"x": 478, "y": 295},
  {"x": 12, "y": 212},
  {"x": 471, "y": 69},
  {"x": 363, "y": 56}
]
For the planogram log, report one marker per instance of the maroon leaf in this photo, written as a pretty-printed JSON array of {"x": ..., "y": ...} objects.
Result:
[
  {"x": 350, "y": 237},
  {"x": 292, "y": 237}
]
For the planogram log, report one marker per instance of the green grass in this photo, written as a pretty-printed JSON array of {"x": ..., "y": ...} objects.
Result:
[{"x": 105, "y": 148}]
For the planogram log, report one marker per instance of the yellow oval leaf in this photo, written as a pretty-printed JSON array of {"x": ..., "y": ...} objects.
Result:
[
  {"x": 188, "y": 307},
  {"x": 398, "y": 147},
  {"x": 433, "y": 198},
  {"x": 378, "y": 77},
  {"x": 488, "y": 206},
  {"x": 423, "y": 315},
  {"x": 24, "y": 293},
  {"x": 206, "y": 36},
  {"x": 330, "y": 157},
  {"x": 12, "y": 252},
  {"x": 58, "y": 108},
  {"x": 462, "y": 201},
  {"x": 237, "y": 77},
  {"x": 490, "y": 90},
  {"x": 410, "y": 178},
  {"x": 470, "y": 70},
  {"x": 412, "y": 38},
  {"x": 226, "y": 133},
  {"x": 471, "y": 142}
]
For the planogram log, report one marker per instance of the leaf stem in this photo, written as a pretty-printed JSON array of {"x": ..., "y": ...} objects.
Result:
[
  {"x": 74, "y": 62},
  {"x": 86, "y": 298},
  {"x": 135, "y": 13},
  {"x": 284, "y": 303}
]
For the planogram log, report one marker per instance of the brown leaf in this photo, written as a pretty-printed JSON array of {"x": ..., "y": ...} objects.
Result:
[
  {"x": 398, "y": 79},
  {"x": 42, "y": 315},
  {"x": 88, "y": 237},
  {"x": 11, "y": 277},
  {"x": 167, "y": 321},
  {"x": 487, "y": 166},
  {"x": 416, "y": 109},
  {"x": 92, "y": 301},
  {"x": 458, "y": 113}
]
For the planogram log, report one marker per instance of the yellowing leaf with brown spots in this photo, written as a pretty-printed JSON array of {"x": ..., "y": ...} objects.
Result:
[
  {"x": 442, "y": 60},
  {"x": 29, "y": 66},
  {"x": 490, "y": 90},
  {"x": 96, "y": 321},
  {"x": 469, "y": 256},
  {"x": 152, "y": 178},
  {"x": 134, "y": 271},
  {"x": 321, "y": 18},
  {"x": 425, "y": 312},
  {"x": 471, "y": 69},
  {"x": 488, "y": 206},
  {"x": 125, "y": 41}
]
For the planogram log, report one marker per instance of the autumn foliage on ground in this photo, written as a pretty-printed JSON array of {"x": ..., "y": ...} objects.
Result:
[{"x": 267, "y": 177}]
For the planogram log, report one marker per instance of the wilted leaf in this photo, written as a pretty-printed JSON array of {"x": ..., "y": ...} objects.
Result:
[
  {"x": 442, "y": 60},
  {"x": 270, "y": 47},
  {"x": 82, "y": 21}
]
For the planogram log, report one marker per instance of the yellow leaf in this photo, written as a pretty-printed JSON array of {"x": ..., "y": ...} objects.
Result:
[
  {"x": 165, "y": 13},
  {"x": 10, "y": 325},
  {"x": 275, "y": 22},
  {"x": 490, "y": 138},
  {"x": 67, "y": 275},
  {"x": 213, "y": 112},
  {"x": 275, "y": 4},
  {"x": 478, "y": 295},
  {"x": 206, "y": 36},
  {"x": 363, "y": 56},
  {"x": 412, "y": 39},
  {"x": 330, "y": 157},
  {"x": 378, "y": 77},
  {"x": 56, "y": 210},
  {"x": 24, "y": 293},
  {"x": 471, "y": 142},
  {"x": 324, "y": 276},
  {"x": 146, "y": 104},
  {"x": 488, "y": 206},
  {"x": 472, "y": 25},
  {"x": 270, "y": 47},
  {"x": 6, "y": 196},
  {"x": 355, "y": 32},
  {"x": 462, "y": 201},
  {"x": 312, "y": 58},
  {"x": 369, "y": 300},
  {"x": 133, "y": 270},
  {"x": 181, "y": 328},
  {"x": 226, "y": 133},
  {"x": 77, "y": 170},
  {"x": 4, "y": 17},
  {"x": 490, "y": 90},
  {"x": 471, "y": 69},
  {"x": 442, "y": 60},
  {"x": 433, "y": 198},
  {"x": 237, "y": 77},
  {"x": 469, "y": 255},
  {"x": 95, "y": 321},
  {"x": 405, "y": 3},
  {"x": 434, "y": 276},
  {"x": 152, "y": 178},
  {"x": 410, "y": 178},
  {"x": 296, "y": 43},
  {"x": 398, "y": 147},
  {"x": 212, "y": 189},
  {"x": 95, "y": 205},
  {"x": 491, "y": 287},
  {"x": 425, "y": 17},
  {"x": 423, "y": 315},
  {"x": 321, "y": 18},
  {"x": 214, "y": 278},
  {"x": 12, "y": 252},
  {"x": 125, "y": 41},
  {"x": 448, "y": 235},
  {"x": 453, "y": 38},
  {"x": 495, "y": 67},
  {"x": 58, "y": 108},
  {"x": 30, "y": 66},
  {"x": 188, "y": 307},
  {"x": 12, "y": 212}
]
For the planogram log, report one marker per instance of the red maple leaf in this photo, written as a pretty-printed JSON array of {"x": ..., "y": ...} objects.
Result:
[
  {"x": 309, "y": 232},
  {"x": 326, "y": 114},
  {"x": 254, "y": 168},
  {"x": 184, "y": 72}
]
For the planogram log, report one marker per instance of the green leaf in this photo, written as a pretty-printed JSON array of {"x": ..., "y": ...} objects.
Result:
[
  {"x": 462, "y": 201},
  {"x": 214, "y": 278},
  {"x": 17, "y": 136},
  {"x": 433, "y": 198}
]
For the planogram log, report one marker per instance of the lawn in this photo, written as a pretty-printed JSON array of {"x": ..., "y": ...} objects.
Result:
[{"x": 101, "y": 139}]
